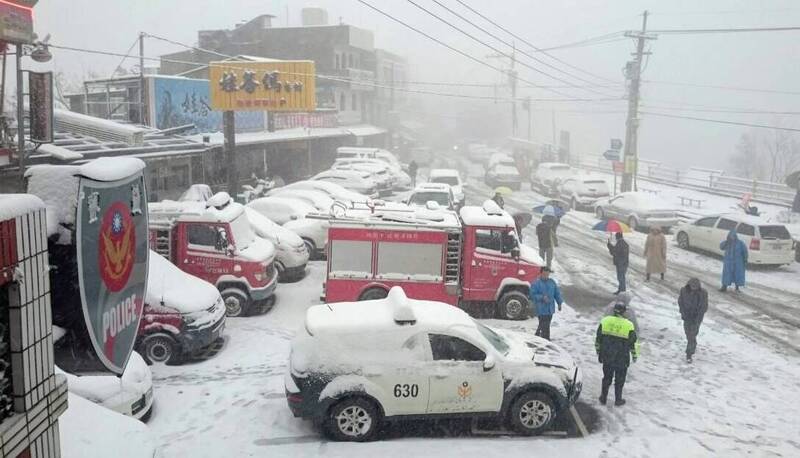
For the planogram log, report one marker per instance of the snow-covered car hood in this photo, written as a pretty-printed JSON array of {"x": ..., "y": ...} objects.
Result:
[
  {"x": 260, "y": 250},
  {"x": 306, "y": 225},
  {"x": 177, "y": 289},
  {"x": 272, "y": 231},
  {"x": 530, "y": 255},
  {"x": 109, "y": 390},
  {"x": 527, "y": 348}
]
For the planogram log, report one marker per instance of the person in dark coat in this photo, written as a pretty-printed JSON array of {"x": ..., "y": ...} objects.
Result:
[
  {"x": 546, "y": 233},
  {"x": 498, "y": 199},
  {"x": 734, "y": 261},
  {"x": 412, "y": 172},
  {"x": 619, "y": 253},
  {"x": 693, "y": 304},
  {"x": 615, "y": 343},
  {"x": 544, "y": 295},
  {"x": 796, "y": 203}
]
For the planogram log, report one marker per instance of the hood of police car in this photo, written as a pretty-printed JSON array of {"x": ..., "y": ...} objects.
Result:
[{"x": 525, "y": 348}]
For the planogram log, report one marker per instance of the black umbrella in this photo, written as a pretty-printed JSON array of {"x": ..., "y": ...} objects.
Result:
[
  {"x": 792, "y": 179},
  {"x": 522, "y": 219}
]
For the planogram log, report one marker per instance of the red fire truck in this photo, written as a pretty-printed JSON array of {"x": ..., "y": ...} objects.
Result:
[
  {"x": 213, "y": 241},
  {"x": 472, "y": 258}
]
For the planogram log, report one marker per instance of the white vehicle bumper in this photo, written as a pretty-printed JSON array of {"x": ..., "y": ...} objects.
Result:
[
  {"x": 659, "y": 222},
  {"x": 131, "y": 403}
]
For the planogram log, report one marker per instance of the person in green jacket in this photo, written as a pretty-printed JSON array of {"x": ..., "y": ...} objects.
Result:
[{"x": 615, "y": 344}]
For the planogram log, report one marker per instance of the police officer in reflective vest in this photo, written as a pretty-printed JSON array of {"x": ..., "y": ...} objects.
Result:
[{"x": 615, "y": 344}]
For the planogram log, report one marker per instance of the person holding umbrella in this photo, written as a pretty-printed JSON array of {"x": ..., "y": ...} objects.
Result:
[
  {"x": 498, "y": 199},
  {"x": 546, "y": 235}
]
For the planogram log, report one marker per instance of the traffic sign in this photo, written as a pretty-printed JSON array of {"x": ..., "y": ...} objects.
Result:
[
  {"x": 616, "y": 144},
  {"x": 611, "y": 155},
  {"x": 619, "y": 167}
]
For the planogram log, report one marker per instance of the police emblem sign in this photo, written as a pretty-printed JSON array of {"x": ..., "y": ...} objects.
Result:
[{"x": 112, "y": 261}]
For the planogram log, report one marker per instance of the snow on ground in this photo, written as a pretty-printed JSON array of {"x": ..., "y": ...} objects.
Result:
[{"x": 739, "y": 397}]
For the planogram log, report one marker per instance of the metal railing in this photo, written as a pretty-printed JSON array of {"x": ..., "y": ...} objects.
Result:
[{"x": 707, "y": 180}]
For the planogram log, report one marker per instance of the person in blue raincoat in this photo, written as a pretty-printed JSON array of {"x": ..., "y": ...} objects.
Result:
[
  {"x": 734, "y": 262},
  {"x": 545, "y": 294}
]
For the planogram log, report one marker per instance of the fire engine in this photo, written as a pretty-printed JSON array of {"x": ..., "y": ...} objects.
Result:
[
  {"x": 213, "y": 241},
  {"x": 470, "y": 258}
]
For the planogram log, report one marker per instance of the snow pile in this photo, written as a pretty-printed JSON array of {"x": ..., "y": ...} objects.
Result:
[
  {"x": 91, "y": 431},
  {"x": 111, "y": 168},
  {"x": 176, "y": 289},
  {"x": 57, "y": 186},
  {"x": 13, "y": 205}
]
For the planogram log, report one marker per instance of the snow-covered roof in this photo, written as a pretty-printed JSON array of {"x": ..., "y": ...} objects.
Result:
[
  {"x": 434, "y": 173},
  {"x": 13, "y": 205},
  {"x": 258, "y": 138},
  {"x": 747, "y": 219},
  {"x": 365, "y": 130},
  {"x": 192, "y": 211},
  {"x": 478, "y": 216},
  {"x": 395, "y": 313},
  {"x": 110, "y": 169},
  {"x": 554, "y": 164}
]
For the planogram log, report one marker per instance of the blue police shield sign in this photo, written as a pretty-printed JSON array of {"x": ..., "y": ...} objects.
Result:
[{"x": 112, "y": 249}]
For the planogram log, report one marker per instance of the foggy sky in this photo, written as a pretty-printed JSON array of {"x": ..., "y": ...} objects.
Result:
[{"x": 757, "y": 60}]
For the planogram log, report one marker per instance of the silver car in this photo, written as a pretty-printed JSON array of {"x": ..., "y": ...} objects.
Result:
[{"x": 638, "y": 210}]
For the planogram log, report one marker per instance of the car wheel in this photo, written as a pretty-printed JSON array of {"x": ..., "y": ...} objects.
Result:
[
  {"x": 513, "y": 305},
  {"x": 373, "y": 294},
  {"x": 236, "y": 302},
  {"x": 633, "y": 223},
  {"x": 532, "y": 413},
  {"x": 355, "y": 419},
  {"x": 600, "y": 213},
  {"x": 162, "y": 349},
  {"x": 311, "y": 248},
  {"x": 683, "y": 240}
]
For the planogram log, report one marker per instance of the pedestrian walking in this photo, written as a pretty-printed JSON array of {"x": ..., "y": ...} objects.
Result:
[
  {"x": 544, "y": 295},
  {"x": 498, "y": 199},
  {"x": 412, "y": 172},
  {"x": 734, "y": 262},
  {"x": 546, "y": 233},
  {"x": 655, "y": 252},
  {"x": 615, "y": 344},
  {"x": 693, "y": 304},
  {"x": 619, "y": 254}
]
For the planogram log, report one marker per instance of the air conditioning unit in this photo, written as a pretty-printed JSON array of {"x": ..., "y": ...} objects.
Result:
[{"x": 101, "y": 129}]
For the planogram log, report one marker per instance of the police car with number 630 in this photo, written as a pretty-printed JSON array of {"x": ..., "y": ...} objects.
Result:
[{"x": 361, "y": 363}]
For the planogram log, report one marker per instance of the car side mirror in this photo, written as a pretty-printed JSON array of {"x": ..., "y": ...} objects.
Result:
[
  {"x": 293, "y": 217},
  {"x": 488, "y": 363},
  {"x": 515, "y": 253}
]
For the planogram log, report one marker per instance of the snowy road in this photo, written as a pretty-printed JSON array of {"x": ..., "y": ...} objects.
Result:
[{"x": 739, "y": 398}]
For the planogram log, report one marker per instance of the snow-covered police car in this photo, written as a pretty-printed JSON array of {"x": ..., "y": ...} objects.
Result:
[{"x": 359, "y": 363}]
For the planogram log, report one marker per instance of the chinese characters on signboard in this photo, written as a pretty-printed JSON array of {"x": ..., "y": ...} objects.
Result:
[
  {"x": 16, "y": 21},
  {"x": 263, "y": 86}
]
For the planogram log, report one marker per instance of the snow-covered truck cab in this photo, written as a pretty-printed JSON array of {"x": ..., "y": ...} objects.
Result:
[
  {"x": 473, "y": 259},
  {"x": 360, "y": 363},
  {"x": 214, "y": 241}
]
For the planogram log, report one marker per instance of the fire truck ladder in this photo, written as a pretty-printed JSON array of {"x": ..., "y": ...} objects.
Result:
[{"x": 452, "y": 266}]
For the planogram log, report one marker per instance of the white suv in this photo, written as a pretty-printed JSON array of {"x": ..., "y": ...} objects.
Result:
[
  {"x": 359, "y": 363},
  {"x": 767, "y": 243},
  {"x": 549, "y": 175},
  {"x": 452, "y": 178}
]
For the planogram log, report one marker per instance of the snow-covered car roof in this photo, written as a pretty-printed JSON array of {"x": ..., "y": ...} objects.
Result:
[
  {"x": 91, "y": 430},
  {"x": 193, "y": 211},
  {"x": 176, "y": 289},
  {"x": 646, "y": 200},
  {"x": 742, "y": 218},
  {"x": 556, "y": 165},
  {"x": 396, "y": 314},
  {"x": 332, "y": 189},
  {"x": 343, "y": 173},
  {"x": 434, "y": 173},
  {"x": 296, "y": 204},
  {"x": 487, "y": 215},
  {"x": 318, "y": 198},
  {"x": 507, "y": 169},
  {"x": 262, "y": 226}
]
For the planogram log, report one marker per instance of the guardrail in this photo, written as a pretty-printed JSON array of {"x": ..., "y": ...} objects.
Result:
[{"x": 707, "y": 180}]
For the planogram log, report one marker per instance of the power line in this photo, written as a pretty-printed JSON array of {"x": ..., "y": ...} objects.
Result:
[
  {"x": 484, "y": 17},
  {"x": 723, "y": 110},
  {"x": 728, "y": 88},
  {"x": 729, "y": 30},
  {"x": 468, "y": 56},
  {"x": 127, "y": 55},
  {"x": 501, "y": 40},
  {"x": 719, "y": 121},
  {"x": 462, "y": 31},
  {"x": 601, "y": 40}
]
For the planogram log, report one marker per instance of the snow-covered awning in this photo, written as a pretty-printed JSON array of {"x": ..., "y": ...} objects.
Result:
[
  {"x": 365, "y": 130},
  {"x": 257, "y": 138}
]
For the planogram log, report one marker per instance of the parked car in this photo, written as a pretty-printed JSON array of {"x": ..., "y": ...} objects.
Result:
[
  {"x": 768, "y": 243},
  {"x": 477, "y": 152},
  {"x": 333, "y": 190},
  {"x": 349, "y": 152},
  {"x": 292, "y": 255},
  {"x": 583, "y": 192},
  {"x": 378, "y": 172},
  {"x": 638, "y": 210},
  {"x": 440, "y": 193},
  {"x": 549, "y": 175},
  {"x": 353, "y": 180},
  {"x": 400, "y": 179},
  {"x": 317, "y": 199},
  {"x": 183, "y": 315},
  {"x": 356, "y": 365},
  {"x": 452, "y": 178},
  {"x": 497, "y": 158},
  {"x": 501, "y": 174},
  {"x": 291, "y": 214},
  {"x": 131, "y": 394}
]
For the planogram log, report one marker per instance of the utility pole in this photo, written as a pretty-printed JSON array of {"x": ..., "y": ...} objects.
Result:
[
  {"x": 633, "y": 72},
  {"x": 142, "y": 117},
  {"x": 512, "y": 83},
  {"x": 229, "y": 131},
  {"x": 20, "y": 117}
]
